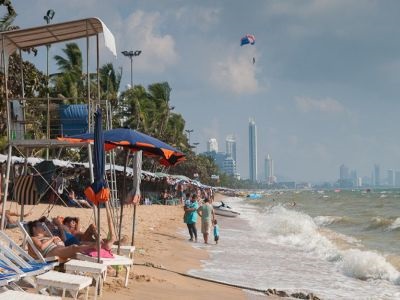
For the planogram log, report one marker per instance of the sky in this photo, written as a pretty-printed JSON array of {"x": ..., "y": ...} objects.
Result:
[{"x": 323, "y": 91}]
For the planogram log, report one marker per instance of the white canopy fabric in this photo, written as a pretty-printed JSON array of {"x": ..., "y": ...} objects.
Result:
[{"x": 55, "y": 33}]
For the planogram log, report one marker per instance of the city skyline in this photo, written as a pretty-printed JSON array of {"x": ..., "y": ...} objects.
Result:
[{"x": 323, "y": 90}]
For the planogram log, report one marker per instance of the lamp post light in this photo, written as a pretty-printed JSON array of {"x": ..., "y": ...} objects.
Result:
[
  {"x": 48, "y": 17},
  {"x": 189, "y": 131},
  {"x": 195, "y": 144},
  {"x": 131, "y": 54}
]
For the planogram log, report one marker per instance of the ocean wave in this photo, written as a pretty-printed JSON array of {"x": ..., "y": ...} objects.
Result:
[
  {"x": 367, "y": 265},
  {"x": 395, "y": 225},
  {"x": 294, "y": 228},
  {"x": 327, "y": 220},
  {"x": 387, "y": 224}
]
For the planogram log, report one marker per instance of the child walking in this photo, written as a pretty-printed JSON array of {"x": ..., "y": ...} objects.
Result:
[{"x": 216, "y": 231}]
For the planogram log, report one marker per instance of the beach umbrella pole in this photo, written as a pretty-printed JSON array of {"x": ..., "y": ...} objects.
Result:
[
  {"x": 133, "y": 225},
  {"x": 122, "y": 201}
]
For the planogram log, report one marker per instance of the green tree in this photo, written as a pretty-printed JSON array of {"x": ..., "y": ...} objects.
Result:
[{"x": 70, "y": 82}]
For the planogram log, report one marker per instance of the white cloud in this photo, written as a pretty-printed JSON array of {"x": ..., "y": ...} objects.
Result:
[
  {"x": 203, "y": 18},
  {"x": 236, "y": 73},
  {"x": 142, "y": 32},
  {"x": 307, "y": 104}
]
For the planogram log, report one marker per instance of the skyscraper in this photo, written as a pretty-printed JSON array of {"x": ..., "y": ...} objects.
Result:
[
  {"x": 269, "y": 170},
  {"x": 252, "y": 150},
  {"x": 377, "y": 177},
  {"x": 231, "y": 146},
  {"x": 344, "y": 172},
  {"x": 212, "y": 145},
  {"x": 390, "y": 177}
]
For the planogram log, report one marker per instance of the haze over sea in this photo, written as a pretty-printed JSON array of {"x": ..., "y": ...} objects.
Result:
[{"x": 338, "y": 245}]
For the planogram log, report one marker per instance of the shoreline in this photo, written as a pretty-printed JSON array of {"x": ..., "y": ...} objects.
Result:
[{"x": 159, "y": 241}]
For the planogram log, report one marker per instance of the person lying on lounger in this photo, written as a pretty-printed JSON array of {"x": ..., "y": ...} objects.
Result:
[
  {"x": 53, "y": 246},
  {"x": 57, "y": 228},
  {"x": 73, "y": 201},
  {"x": 72, "y": 225}
]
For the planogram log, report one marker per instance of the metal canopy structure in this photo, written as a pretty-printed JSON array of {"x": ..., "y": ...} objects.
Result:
[
  {"x": 56, "y": 33},
  {"x": 22, "y": 39}
]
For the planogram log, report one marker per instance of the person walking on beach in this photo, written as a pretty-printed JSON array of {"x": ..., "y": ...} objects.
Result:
[
  {"x": 190, "y": 217},
  {"x": 216, "y": 231},
  {"x": 206, "y": 212}
]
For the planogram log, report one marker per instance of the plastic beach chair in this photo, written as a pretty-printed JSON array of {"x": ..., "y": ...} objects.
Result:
[
  {"x": 28, "y": 240},
  {"x": 117, "y": 260},
  {"x": 9, "y": 294},
  {"x": 21, "y": 257},
  {"x": 12, "y": 264}
]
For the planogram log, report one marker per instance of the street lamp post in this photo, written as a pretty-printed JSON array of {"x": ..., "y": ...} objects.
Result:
[
  {"x": 48, "y": 17},
  {"x": 131, "y": 54},
  {"x": 195, "y": 144},
  {"x": 189, "y": 131}
]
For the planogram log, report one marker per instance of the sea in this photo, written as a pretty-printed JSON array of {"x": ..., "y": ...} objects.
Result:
[{"x": 336, "y": 244}]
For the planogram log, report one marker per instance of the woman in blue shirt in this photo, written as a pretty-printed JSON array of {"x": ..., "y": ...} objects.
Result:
[{"x": 190, "y": 217}]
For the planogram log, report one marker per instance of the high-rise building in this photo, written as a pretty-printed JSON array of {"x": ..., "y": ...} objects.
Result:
[
  {"x": 397, "y": 178},
  {"x": 377, "y": 177},
  {"x": 231, "y": 146},
  {"x": 344, "y": 172},
  {"x": 212, "y": 145},
  {"x": 390, "y": 177},
  {"x": 252, "y": 150},
  {"x": 269, "y": 170},
  {"x": 229, "y": 166}
]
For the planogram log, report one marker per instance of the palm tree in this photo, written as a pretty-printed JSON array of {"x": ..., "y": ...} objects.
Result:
[
  {"x": 110, "y": 81},
  {"x": 70, "y": 81}
]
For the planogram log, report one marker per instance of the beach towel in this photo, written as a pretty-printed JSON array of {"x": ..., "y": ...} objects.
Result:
[{"x": 103, "y": 253}]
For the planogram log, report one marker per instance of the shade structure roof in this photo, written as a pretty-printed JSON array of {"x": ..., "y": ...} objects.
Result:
[
  {"x": 55, "y": 33},
  {"x": 134, "y": 141}
]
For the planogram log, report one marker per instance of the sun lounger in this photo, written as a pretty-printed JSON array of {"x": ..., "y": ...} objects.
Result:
[
  {"x": 64, "y": 281},
  {"x": 14, "y": 266},
  {"x": 8, "y": 295},
  {"x": 117, "y": 260},
  {"x": 28, "y": 240},
  {"x": 124, "y": 250},
  {"x": 96, "y": 271}
]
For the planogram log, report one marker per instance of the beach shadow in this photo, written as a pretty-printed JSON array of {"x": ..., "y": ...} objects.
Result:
[{"x": 167, "y": 235}]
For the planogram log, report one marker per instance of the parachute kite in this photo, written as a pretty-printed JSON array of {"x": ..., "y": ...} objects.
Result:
[{"x": 248, "y": 39}]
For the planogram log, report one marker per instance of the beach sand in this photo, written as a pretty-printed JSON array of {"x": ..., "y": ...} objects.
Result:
[{"x": 160, "y": 240}]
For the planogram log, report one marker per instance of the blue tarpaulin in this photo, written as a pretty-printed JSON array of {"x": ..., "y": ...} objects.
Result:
[{"x": 74, "y": 119}]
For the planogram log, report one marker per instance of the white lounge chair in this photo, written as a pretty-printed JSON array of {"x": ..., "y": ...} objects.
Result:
[
  {"x": 9, "y": 294},
  {"x": 97, "y": 271}
]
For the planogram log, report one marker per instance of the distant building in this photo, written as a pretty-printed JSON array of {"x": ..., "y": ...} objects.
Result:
[
  {"x": 343, "y": 172},
  {"x": 390, "y": 178},
  {"x": 345, "y": 180},
  {"x": 252, "y": 150},
  {"x": 377, "y": 177},
  {"x": 212, "y": 145},
  {"x": 397, "y": 179},
  {"x": 229, "y": 166},
  {"x": 269, "y": 170},
  {"x": 230, "y": 143},
  {"x": 225, "y": 163}
]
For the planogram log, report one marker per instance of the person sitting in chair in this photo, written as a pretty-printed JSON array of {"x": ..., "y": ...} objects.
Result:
[
  {"x": 73, "y": 201},
  {"x": 72, "y": 225},
  {"x": 53, "y": 246}
]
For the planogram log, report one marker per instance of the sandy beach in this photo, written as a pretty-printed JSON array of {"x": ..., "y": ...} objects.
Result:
[{"x": 159, "y": 242}]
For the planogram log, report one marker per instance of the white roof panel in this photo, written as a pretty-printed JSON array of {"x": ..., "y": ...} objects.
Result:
[{"x": 55, "y": 33}]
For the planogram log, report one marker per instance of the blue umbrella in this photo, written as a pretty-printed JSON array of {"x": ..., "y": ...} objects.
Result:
[
  {"x": 98, "y": 167},
  {"x": 99, "y": 161},
  {"x": 135, "y": 141}
]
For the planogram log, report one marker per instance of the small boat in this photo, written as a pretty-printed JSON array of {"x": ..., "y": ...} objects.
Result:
[
  {"x": 254, "y": 196},
  {"x": 222, "y": 209}
]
